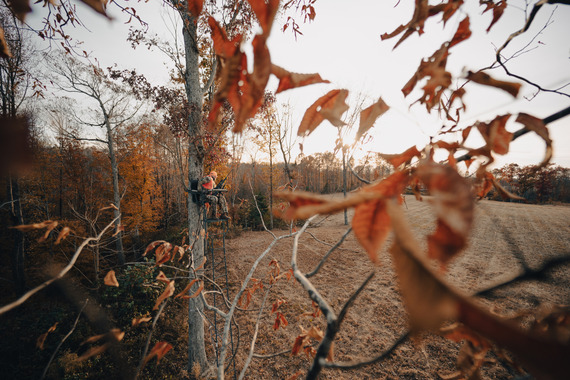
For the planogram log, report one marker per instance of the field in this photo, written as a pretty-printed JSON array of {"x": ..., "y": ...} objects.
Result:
[{"x": 504, "y": 236}]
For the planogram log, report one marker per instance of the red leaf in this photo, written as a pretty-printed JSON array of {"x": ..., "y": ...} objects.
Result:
[
  {"x": 195, "y": 7},
  {"x": 463, "y": 32},
  {"x": 405, "y": 157},
  {"x": 537, "y": 126},
  {"x": 313, "y": 116},
  {"x": 265, "y": 13},
  {"x": 289, "y": 80},
  {"x": 168, "y": 291},
  {"x": 495, "y": 134},
  {"x": 159, "y": 350},
  {"x": 485, "y": 79},
  {"x": 369, "y": 115}
]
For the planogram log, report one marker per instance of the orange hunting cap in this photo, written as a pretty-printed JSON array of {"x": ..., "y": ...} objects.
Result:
[{"x": 213, "y": 174}]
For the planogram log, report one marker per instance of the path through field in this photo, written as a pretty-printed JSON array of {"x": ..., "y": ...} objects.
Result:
[{"x": 504, "y": 235}]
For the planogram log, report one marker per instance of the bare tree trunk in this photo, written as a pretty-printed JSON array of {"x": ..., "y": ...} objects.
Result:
[
  {"x": 344, "y": 182},
  {"x": 197, "y": 360},
  {"x": 116, "y": 192}
]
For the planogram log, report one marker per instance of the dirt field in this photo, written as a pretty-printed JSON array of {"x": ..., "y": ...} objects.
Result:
[{"x": 502, "y": 230}]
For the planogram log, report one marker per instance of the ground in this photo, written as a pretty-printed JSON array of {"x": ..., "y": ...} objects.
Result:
[{"x": 501, "y": 232}]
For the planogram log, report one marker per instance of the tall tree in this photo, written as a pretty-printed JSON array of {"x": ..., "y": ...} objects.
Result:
[{"x": 113, "y": 107}]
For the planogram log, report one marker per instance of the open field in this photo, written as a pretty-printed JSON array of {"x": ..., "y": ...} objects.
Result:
[{"x": 504, "y": 235}]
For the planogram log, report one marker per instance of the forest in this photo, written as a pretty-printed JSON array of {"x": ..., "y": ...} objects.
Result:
[{"x": 440, "y": 260}]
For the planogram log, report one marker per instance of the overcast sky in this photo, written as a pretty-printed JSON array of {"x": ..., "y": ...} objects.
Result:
[{"x": 343, "y": 44}]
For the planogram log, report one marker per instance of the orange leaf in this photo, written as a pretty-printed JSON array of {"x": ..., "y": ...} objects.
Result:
[
  {"x": 463, "y": 32},
  {"x": 537, "y": 126},
  {"x": 416, "y": 24},
  {"x": 454, "y": 207},
  {"x": 4, "y": 48},
  {"x": 110, "y": 279},
  {"x": 42, "y": 338},
  {"x": 498, "y": 9},
  {"x": 371, "y": 223},
  {"x": 138, "y": 321},
  {"x": 31, "y": 227},
  {"x": 405, "y": 157},
  {"x": 289, "y": 80},
  {"x": 195, "y": 7},
  {"x": 495, "y": 134},
  {"x": 485, "y": 79},
  {"x": 50, "y": 228},
  {"x": 313, "y": 116},
  {"x": 159, "y": 350},
  {"x": 65, "y": 231},
  {"x": 265, "y": 13},
  {"x": 334, "y": 113},
  {"x": 369, "y": 116},
  {"x": 152, "y": 246},
  {"x": 168, "y": 291},
  {"x": 184, "y": 294},
  {"x": 223, "y": 47},
  {"x": 162, "y": 277}
]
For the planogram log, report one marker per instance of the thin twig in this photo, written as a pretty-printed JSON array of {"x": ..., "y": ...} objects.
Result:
[
  {"x": 63, "y": 340},
  {"x": 66, "y": 269},
  {"x": 254, "y": 338},
  {"x": 325, "y": 257}
]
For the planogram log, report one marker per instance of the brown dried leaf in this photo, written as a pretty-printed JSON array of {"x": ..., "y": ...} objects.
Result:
[
  {"x": 289, "y": 80},
  {"x": 454, "y": 208},
  {"x": 138, "y": 321},
  {"x": 495, "y": 134},
  {"x": 20, "y": 8},
  {"x": 110, "y": 279},
  {"x": 485, "y": 79},
  {"x": 334, "y": 113},
  {"x": 505, "y": 194},
  {"x": 195, "y": 7},
  {"x": 463, "y": 32},
  {"x": 402, "y": 158},
  {"x": 184, "y": 294},
  {"x": 42, "y": 338},
  {"x": 265, "y": 13},
  {"x": 369, "y": 116},
  {"x": 162, "y": 277},
  {"x": 4, "y": 48},
  {"x": 168, "y": 291},
  {"x": 153, "y": 245},
  {"x": 371, "y": 223},
  {"x": 313, "y": 116},
  {"x": 63, "y": 234},
  {"x": 497, "y": 7},
  {"x": 416, "y": 24},
  {"x": 537, "y": 126},
  {"x": 159, "y": 350}
]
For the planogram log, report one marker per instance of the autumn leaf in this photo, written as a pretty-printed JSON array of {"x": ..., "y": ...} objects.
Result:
[
  {"x": 334, "y": 113},
  {"x": 34, "y": 226},
  {"x": 63, "y": 234},
  {"x": 495, "y": 134},
  {"x": 112, "y": 337},
  {"x": 138, "y": 321},
  {"x": 162, "y": 277},
  {"x": 463, "y": 32},
  {"x": 20, "y": 8},
  {"x": 152, "y": 246},
  {"x": 505, "y": 194},
  {"x": 168, "y": 291},
  {"x": 4, "y": 48},
  {"x": 195, "y": 7},
  {"x": 402, "y": 158},
  {"x": 497, "y": 7},
  {"x": 371, "y": 223},
  {"x": 159, "y": 350},
  {"x": 289, "y": 80},
  {"x": 454, "y": 208},
  {"x": 416, "y": 24},
  {"x": 485, "y": 183},
  {"x": 313, "y": 115},
  {"x": 184, "y": 294},
  {"x": 369, "y": 115},
  {"x": 265, "y": 13},
  {"x": 110, "y": 279},
  {"x": 485, "y": 79},
  {"x": 223, "y": 46},
  {"x": 537, "y": 126},
  {"x": 42, "y": 338}
]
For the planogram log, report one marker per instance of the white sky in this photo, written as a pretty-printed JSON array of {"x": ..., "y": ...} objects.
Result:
[{"x": 343, "y": 45}]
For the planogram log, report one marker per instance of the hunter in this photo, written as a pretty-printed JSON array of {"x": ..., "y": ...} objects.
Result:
[{"x": 206, "y": 186}]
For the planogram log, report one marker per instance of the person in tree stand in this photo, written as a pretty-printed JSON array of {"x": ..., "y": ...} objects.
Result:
[{"x": 206, "y": 185}]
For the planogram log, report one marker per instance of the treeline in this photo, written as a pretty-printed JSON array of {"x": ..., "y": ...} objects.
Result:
[{"x": 536, "y": 184}]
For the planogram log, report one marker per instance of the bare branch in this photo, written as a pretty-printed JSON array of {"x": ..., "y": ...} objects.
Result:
[{"x": 326, "y": 256}]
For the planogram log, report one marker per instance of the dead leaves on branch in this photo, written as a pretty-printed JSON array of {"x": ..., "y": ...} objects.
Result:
[
  {"x": 369, "y": 115},
  {"x": 49, "y": 225},
  {"x": 537, "y": 126},
  {"x": 289, "y": 80},
  {"x": 485, "y": 79}
]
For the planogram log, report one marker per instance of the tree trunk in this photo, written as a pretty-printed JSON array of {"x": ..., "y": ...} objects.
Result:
[
  {"x": 344, "y": 183},
  {"x": 116, "y": 193},
  {"x": 197, "y": 360}
]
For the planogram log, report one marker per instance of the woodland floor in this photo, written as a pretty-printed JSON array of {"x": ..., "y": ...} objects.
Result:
[{"x": 377, "y": 319}]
